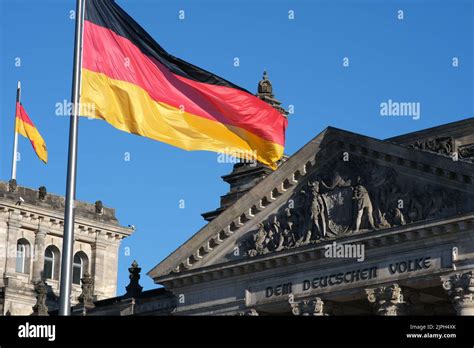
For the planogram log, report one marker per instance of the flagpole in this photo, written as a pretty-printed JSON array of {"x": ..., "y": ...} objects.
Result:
[
  {"x": 15, "y": 137},
  {"x": 68, "y": 236}
]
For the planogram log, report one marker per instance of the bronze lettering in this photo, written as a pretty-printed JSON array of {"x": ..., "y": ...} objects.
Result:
[
  {"x": 269, "y": 292},
  {"x": 426, "y": 262}
]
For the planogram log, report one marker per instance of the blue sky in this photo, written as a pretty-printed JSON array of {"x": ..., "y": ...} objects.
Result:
[{"x": 408, "y": 60}]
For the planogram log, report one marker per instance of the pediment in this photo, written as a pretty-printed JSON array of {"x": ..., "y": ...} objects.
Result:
[{"x": 340, "y": 183}]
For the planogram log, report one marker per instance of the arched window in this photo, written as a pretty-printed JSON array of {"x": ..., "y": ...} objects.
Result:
[
  {"x": 23, "y": 256},
  {"x": 51, "y": 263},
  {"x": 79, "y": 267}
]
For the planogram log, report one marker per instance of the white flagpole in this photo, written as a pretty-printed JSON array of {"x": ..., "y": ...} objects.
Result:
[
  {"x": 68, "y": 235},
  {"x": 15, "y": 139}
]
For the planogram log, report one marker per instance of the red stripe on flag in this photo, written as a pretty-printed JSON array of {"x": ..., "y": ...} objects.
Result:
[
  {"x": 22, "y": 115},
  {"x": 117, "y": 57}
]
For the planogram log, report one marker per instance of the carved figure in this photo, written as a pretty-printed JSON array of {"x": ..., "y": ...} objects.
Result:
[
  {"x": 42, "y": 193},
  {"x": 87, "y": 295},
  {"x": 378, "y": 198},
  {"x": 318, "y": 210},
  {"x": 40, "y": 308},
  {"x": 362, "y": 205},
  {"x": 99, "y": 207}
]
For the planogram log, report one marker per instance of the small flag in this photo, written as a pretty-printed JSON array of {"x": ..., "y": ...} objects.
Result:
[
  {"x": 131, "y": 82},
  {"x": 25, "y": 127}
]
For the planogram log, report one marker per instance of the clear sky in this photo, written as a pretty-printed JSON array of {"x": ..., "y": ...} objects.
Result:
[{"x": 302, "y": 44}]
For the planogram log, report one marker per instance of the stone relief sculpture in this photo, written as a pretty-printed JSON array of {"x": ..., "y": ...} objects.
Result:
[
  {"x": 363, "y": 205},
  {"x": 352, "y": 197},
  {"x": 318, "y": 210},
  {"x": 466, "y": 152},
  {"x": 309, "y": 307},
  {"x": 443, "y": 145}
]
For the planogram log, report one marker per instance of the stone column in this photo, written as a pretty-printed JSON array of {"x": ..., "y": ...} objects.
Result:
[
  {"x": 13, "y": 235},
  {"x": 460, "y": 288},
  {"x": 38, "y": 262},
  {"x": 98, "y": 266},
  {"x": 310, "y": 307},
  {"x": 387, "y": 300}
]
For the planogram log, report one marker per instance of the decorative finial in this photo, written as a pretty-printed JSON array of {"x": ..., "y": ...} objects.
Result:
[
  {"x": 133, "y": 288},
  {"x": 265, "y": 93},
  {"x": 265, "y": 86}
]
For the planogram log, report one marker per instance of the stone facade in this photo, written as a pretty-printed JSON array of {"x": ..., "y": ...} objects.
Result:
[
  {"x": 31, "y": 229},
  {"x": 347, "y": 225}
]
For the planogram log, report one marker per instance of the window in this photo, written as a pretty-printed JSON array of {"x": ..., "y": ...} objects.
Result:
[
  {"x": 79, "y": 267},
  {"x": 51, "y": 263},
  {"x": 23, "y": 256}
]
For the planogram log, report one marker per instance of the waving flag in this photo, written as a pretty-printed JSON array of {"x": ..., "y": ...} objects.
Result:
[
  {"x": 25, "y": 127},
  {"x": 134, "y": 84}
]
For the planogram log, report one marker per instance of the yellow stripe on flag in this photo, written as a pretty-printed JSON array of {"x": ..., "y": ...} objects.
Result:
[
  {"x": 30, "y": 132},
  {"x": 129, "y": 108}
]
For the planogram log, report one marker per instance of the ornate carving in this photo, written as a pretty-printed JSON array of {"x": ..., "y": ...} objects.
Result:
[
  {"x": 40, "y": 308},
  {"x": 466, "y": 151},
  {"x": 339, "y": 207},
  {"x": 318, "y": 209},
  {"x": 87, "y": 295},
  {"x": 354, "y": 196},
  {"x": 134, "y": 288},
  {"x": 363, "y": 205},
  {"x": 42, "y": 193},
  {"x": 99, "y": 207},
  {"x": 12, "y": 185},
  {"x": 248, "y": 313},
  {"x": 442, "y": 145},
  {"x": 311, "y": 307},
  {"x": 460, "y": 288},
  {"x": 387, "y": 300}
]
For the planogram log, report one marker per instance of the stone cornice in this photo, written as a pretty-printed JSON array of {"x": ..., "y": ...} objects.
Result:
[
  {"x": 51, "y": 201},
  {"x": 29, "y": 216},
  {"x": 371, "y": 240}
]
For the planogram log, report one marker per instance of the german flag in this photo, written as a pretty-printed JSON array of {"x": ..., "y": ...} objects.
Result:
[
  {"x": 25, "y": 127},
  {"x": 131, "y": 82}
]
